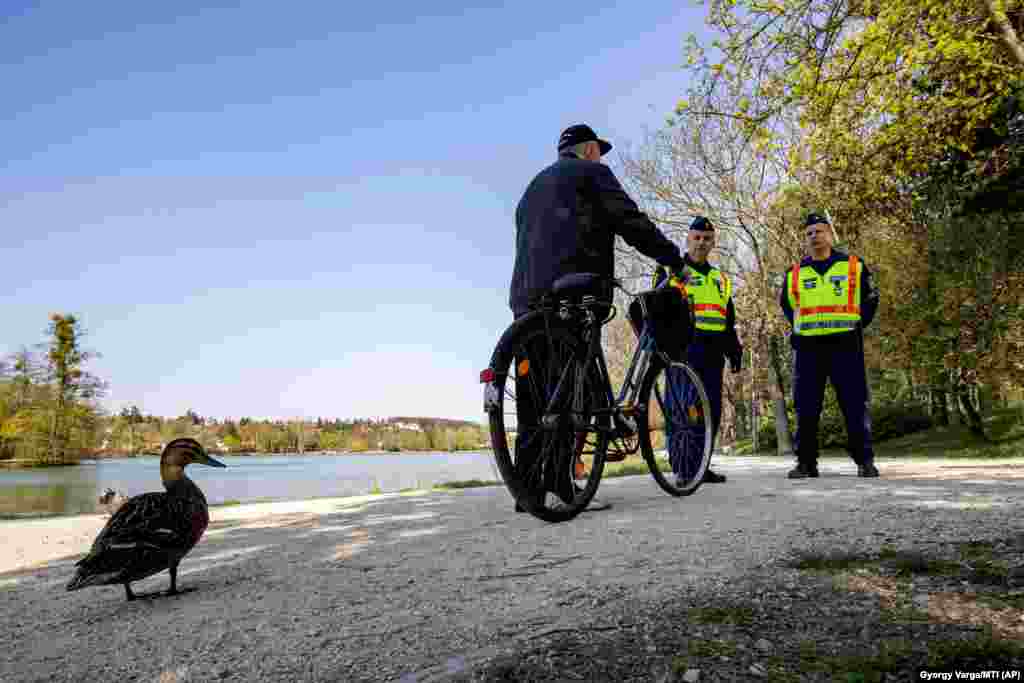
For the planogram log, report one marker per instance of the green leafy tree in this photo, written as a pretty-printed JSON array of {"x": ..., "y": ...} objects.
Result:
[{"x": 74, "y": 391}]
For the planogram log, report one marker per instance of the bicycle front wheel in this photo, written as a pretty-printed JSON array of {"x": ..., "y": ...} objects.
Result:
[
  {"x": 675, "y": 427},
  {"x": 546, "y": 426}
]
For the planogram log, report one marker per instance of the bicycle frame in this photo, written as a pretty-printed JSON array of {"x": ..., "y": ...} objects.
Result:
[{"x": 626, "y": 403}]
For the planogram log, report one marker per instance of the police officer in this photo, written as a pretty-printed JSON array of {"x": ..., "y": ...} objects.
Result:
[
  {"x": 715, "y": 338},
  {"x": 566, "y": 222},
  {"x": 829, "y": 299}
]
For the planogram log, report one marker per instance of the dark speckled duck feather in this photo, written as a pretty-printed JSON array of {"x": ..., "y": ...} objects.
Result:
[
  {"x": 151, "y": 532},
  {"x": 145, "y": 536}
]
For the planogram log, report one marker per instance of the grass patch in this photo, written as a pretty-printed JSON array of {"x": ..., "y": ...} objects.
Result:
[
  {"x": 986, "y": 569},
  {"x": 708, "y": 648},
  {"x": 1004, "y": 429},
  {"x": 989, "y": 573},
  {"x": 892, "y": 658},
  {"x": 899, "y": 562},
  {"x": 833, "y": 563},
  {"x": 227, "y": 503},
  {"x": 911, "y": 564},
  {"x": 898, "y": 657},
  {"x": 628, "y": 467},
  {"x": 735, "y": 615},
  {"x": 905, "y": 614},
  {"x": 980, "y": 653},
  {"x": 1003, "y": 601},
  {"x": 976, "y": 550},
  {"x": 464, "y": 484},
  {"x": 1005, "y": 432}
]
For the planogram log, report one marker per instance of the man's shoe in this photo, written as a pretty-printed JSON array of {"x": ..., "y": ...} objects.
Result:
[
  {"x": 803, "y": 471},
  {"x": 868, "y": 470},
  {"x": 713, "y": 477}
]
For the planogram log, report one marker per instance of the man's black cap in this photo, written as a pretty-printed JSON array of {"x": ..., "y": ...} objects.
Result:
[
  {"x": 580, "y": 133},
  {"x": 813, "y": 218},
  {"x": 702, "y": 223}
]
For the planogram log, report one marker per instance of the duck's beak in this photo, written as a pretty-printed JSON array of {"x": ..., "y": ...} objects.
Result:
[{"x": 213, "y": 463}]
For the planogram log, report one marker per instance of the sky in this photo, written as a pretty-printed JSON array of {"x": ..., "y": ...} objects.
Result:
[{"x": 298, "y": 210}]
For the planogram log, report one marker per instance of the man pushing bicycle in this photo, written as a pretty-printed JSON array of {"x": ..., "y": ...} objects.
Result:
[{"x": 566, "y": 222}]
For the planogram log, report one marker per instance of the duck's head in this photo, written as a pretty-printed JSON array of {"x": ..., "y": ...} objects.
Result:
[{"x": 183, "y": 452}]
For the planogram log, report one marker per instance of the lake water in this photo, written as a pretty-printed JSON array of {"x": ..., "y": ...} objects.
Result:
[{"x": 74, "y": 490}]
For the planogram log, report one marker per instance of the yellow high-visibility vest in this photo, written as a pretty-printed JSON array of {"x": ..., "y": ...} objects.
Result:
[
  {"x": 825, "y": 304},
  {"x": 709, "y": 297}
]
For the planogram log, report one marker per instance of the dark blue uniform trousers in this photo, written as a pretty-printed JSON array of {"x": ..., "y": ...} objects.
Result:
[
  {"x": 844, "y": 367},
  {"x": 705, "y": 356}
]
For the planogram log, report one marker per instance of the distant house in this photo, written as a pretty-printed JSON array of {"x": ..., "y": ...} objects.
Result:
[{"x": 408, "y": 426}]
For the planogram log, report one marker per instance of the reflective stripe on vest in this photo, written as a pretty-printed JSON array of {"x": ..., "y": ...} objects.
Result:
[
  {"x": 710, "y": 298},
  {"x": 820, "y": 306},
  {"x": 709, "y": 304}
]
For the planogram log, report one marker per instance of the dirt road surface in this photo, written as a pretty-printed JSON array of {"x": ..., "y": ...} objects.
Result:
[{"x": 426, "y": 587}]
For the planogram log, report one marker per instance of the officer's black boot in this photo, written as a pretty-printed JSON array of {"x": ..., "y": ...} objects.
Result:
[
  {"x": 867, "y": 470},
  {"x": 711, "y": 477},
  {"x": 804, "y": 470}
]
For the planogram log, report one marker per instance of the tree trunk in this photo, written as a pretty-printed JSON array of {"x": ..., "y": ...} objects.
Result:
[
  {"x": 974, "y": 421},
  {"x": 940, "y": 407},
  {"x": 782, "y": 433},
  {"x": 1006, "y": 31},
  {"x": 986, "y": 400},
  {"x": 754, "y": 421}
]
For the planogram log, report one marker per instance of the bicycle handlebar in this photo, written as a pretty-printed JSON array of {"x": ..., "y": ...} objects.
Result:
[{"x": 641, "y": 292}]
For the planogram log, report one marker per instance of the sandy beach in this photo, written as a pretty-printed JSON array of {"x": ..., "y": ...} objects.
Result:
[{"x": 32, "y": 543}]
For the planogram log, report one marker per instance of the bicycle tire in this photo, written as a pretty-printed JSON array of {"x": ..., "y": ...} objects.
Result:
[
  {"x": 557, "y": 448},
  {"x": 692, "y": 440}
]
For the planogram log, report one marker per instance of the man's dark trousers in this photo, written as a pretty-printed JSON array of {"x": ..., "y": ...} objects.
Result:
[
  {"x": 704, "y": 355},
  {"x": 844, "y": 367},
  {"x": 531, "y": 439}
]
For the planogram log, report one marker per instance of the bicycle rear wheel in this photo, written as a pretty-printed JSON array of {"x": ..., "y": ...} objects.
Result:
[
  {"x": 551, "y": 456},
  {"x": 676, "y": 427}
]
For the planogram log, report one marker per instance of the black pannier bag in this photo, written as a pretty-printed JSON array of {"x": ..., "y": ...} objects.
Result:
[{"x": 670, "y": 317}]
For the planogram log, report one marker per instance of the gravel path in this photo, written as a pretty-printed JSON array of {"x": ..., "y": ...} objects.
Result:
[{"x": 447, "y": 586}]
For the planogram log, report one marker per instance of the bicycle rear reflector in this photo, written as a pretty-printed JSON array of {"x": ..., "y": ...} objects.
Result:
[
  {"x": 524, "y": 367},
  {"x": 487, "y": 376}
]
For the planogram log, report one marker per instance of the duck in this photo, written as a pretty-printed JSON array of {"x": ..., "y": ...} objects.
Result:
[
  {"x": 111, "y": 501},
  {"x": 151, "y": 532}
]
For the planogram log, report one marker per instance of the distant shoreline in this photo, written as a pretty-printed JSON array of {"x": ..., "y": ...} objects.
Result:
[{"x": 29, "y": 464}]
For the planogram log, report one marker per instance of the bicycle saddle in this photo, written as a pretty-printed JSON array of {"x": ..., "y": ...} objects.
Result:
[{"x": 577, "y": 284}]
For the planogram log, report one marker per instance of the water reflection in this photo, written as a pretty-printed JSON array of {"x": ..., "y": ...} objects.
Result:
[
  {"x": 75, "y": 490},
  {"x": 47, "y": 491}
]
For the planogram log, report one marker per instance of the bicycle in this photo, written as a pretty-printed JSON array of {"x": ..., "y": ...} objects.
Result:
[{"x": 554, "y": 354}]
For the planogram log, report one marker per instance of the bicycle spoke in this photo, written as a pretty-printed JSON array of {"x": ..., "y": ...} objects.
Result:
[{"x": 677, "y": 406}]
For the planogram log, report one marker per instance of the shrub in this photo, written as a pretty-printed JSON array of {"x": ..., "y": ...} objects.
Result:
[{"x": 888, "y": 421}]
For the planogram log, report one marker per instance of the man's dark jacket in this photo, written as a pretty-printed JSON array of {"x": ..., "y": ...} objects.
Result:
[{"x": 566, "y": 222}]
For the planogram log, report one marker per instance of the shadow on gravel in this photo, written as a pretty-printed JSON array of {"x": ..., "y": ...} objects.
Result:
[{"x": 804, "y": 627}]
